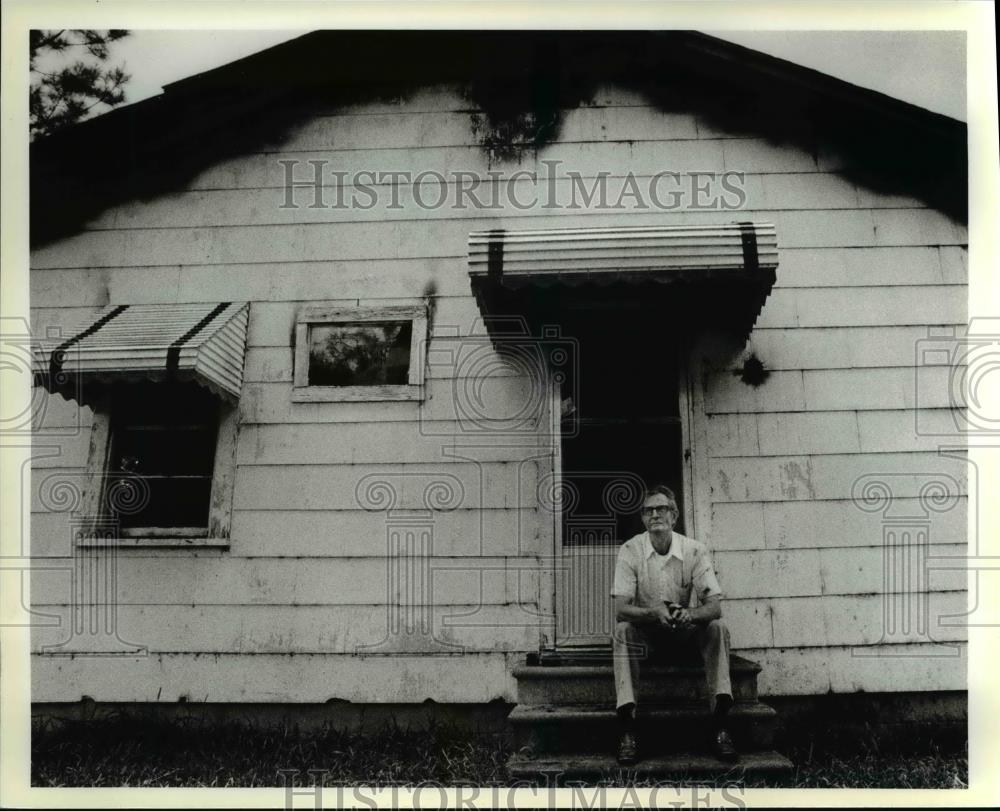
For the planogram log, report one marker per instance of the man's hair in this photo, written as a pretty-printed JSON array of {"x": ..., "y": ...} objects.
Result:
[{"x": 660, "y": 490}]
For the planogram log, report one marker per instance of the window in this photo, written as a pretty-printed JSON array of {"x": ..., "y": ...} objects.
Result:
[
  {"x": 164, "y": 436},
  {"x": 162, "y": 464},
  {"x": 359, "y": 354}
]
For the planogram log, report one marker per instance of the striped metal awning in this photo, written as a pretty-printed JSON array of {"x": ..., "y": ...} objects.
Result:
[
  {"x": 605, "y": 255},
  {"x": 718, "y": 274},
  {"x": 201, "y": 342}
]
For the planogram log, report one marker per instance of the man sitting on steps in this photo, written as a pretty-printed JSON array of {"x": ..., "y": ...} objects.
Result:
[{"x": 654, "y": 577}]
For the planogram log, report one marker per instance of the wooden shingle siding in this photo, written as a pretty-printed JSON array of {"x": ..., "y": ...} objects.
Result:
[{"x": 862, "y": 276}]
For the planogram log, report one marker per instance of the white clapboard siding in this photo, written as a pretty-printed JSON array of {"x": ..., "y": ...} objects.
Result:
[
  {"x": 355, "y": 194},
  {"x": 55, "y": 448},
  {"x": 873, "y": 669},
  {"x": 290, "y": 280},
  {"x": 859, "y": 619},
  {"x": 301, "y": 628},
  {"x": 862, "y": 277},
  {"x": 407, "y": 238},
  {"x": 171, "y": 579},
  {"x": 842, "y": 347},
  {"x": 873, "y": 266},
  {"x": 334, "y": 534},
  {"x": 58, "y": 416},
  {"x": 864, "y": 306},
  {"x": 833, "y": 476},
  {"x": 242, "y": 677},
  {"x": 462, "y": 484},
  {"x": 822, "y": 432},
  {"x": 870, "y": 389},
  {"x": 837, "y": 523},
  {"x": 798, "y": 621},
  {"x": 366, "y": 442},
  {"x": 494, "y": 405},
  {"x": 820, "y": 571},
  {"x": 834, "y": 620},
  {"x": 343, "y": 487},
  {"x": 402, "y": 129}
]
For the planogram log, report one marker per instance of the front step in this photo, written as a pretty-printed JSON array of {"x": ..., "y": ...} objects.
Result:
[
  {"x": 565, "y": 726},
  {"x": 559, "y": 770},
  {"x": 660, "y": 684},
  {"x": 546, "y": 728}
]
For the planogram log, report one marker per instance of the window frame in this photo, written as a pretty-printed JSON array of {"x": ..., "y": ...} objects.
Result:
[
  {"x": 94, "y": 507},
  {"x": 307, "y": 317}
]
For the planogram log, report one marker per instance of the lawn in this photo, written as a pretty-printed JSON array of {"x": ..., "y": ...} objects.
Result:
[{"x": 126, "y": 752}]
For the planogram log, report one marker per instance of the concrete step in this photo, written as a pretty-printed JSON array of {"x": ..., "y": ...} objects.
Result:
[
  {"x": 561, "y": 769},
  {"x": 547, "y": 728},
  {"x": 659, "y": 684}
]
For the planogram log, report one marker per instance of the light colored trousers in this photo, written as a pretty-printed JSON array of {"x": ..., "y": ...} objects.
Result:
[{"x": 633, "y": 643}]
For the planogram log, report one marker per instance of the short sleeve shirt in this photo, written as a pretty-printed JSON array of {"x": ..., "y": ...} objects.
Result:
[{"x": 684, "y": 575}]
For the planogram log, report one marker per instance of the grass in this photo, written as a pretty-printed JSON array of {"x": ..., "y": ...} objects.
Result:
[{"x": 123, "y": 751}]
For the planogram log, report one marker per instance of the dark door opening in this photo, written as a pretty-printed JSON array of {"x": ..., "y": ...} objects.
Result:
[{"x": 621, "y": 432}]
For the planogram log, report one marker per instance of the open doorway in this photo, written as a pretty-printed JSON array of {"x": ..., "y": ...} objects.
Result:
[{"x": 621, "y": 431}]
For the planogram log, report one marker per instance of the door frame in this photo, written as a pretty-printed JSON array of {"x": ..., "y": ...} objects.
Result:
[{"x": 692, "y": 448}]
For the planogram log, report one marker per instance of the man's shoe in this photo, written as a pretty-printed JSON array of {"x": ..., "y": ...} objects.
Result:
[
  {"x": 628, "y": 750},
  {"x": 723, "y": 747}
]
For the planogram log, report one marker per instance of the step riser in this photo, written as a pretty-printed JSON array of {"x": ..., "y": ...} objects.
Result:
[
  {"x": 749, "y": 734},
  {"x": 562, "y": 771},
  {"x": 602, "y": 691}
]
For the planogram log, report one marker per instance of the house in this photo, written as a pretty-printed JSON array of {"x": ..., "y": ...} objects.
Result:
[{"x": 354, "y": 354}]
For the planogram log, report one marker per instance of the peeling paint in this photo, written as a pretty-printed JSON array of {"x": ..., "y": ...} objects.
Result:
[
  {"x": 792, "y": 474},
  {"x": 725, "y": 484}
]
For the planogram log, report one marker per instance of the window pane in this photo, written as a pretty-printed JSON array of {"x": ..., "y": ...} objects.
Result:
[
  {"x": 165, "y": 434},
  {"x": 359, "y": 354}
]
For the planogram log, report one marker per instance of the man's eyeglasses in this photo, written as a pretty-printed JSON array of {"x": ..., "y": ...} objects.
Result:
[{"x": 666, "y": 508}]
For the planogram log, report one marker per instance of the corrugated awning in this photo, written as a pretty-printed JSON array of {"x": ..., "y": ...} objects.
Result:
[
  {"x": 201, "y": 342},
  {"x": 723, "y": 272},
  {"x": 605, "y": 255}
]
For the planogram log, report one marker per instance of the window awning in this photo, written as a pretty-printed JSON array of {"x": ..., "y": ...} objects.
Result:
[
  {"x": 715, "y": 274},
  {"x": 200, "y": 342}
]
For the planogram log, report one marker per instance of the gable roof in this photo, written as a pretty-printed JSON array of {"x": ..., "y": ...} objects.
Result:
[{"x": 156, "y": 145}]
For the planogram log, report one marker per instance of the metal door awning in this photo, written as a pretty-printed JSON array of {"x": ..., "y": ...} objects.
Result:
[
  {"x": 715, "y": 274},
  {"x": 127, "y": 342}
]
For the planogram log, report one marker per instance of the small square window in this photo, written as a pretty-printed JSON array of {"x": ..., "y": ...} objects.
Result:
[{"x": 359, "y": 354}]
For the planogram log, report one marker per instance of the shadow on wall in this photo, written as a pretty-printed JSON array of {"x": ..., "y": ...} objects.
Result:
[{"x": 518, "y": 84}]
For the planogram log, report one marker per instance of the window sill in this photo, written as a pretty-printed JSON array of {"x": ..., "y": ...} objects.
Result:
[
  {"x": 151, "y": 542},
  {"x": 356, "y": 394}
]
